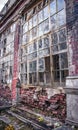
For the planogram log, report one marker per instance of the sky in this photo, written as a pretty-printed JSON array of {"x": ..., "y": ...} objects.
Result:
[{"x": 2, "y": 3}]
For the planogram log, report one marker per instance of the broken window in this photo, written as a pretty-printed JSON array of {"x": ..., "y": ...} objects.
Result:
[
  {"x": 60, "y": 4},
  {"x": 25, "y": 65},
  {"x": 64, "y": 74},
  {"x": 46, "y": 12},
  {"x": 63, "y": 60},
  {"x": 41, "y": 64},
  {"x": 46, "y": 26},
  {"x": 34, "y": 20},
  {"x": 47, "y": 63},
  {"x": 53, "y": 7},
  {"x": 40, "y": 44},
  {"x": 57, "y": 76},
  {"x": 53, "y": 22},
  {"x": 30, "y": 67},
  {"x": 41, "y": 77},
  {"x": 40, "y": 16},
  {"x": 32, "y": 78},
  {"x": 46, "y": 41},
  {"x": 48, "y": 77},
  {"x": 61, "y": 18},
  {"x": 56, "y": 62}
]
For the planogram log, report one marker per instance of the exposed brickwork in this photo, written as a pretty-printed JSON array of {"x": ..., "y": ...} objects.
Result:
[{"x": 72, "y": 31}]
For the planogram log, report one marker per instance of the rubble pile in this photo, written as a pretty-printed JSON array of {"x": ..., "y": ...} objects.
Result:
[
  {"x": 5, "y": 95},
  {"x": 55, "y": 106}
]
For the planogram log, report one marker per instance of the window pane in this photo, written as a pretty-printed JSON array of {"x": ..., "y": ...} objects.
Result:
[
  {"x": 53, "y": 22},
  {"x": 35, "y": 20},
  {"x": 56, "y": 62},
  {"x": 46, "y": 26},
  {"x": 40, "y": 16},
  {"x": 41, "y": 29},
  {"x": 46, "y": 12},
  {"x": 41, "y": 77},
  {"x": 30, "y": 67},
  {"x": 34, "y": 55},
  {"x": 46, "y": 51},
  {"x": 27, "y": 37},
  {"x": 46, "y": 42},
  {"x": 60, "y": 4},
  {"x": 35, "y": 46},
  {"x": 41, "y": 64},
  {"x": 30, "y": 35},
  {"x": 34, "y": 32},
  {"x": 63, "y": 46},
  {"x": 34, "y": 66},
  {"x": 53, "y": 7},
  {"x": 25, "y": 27},
  {"x": 41, "y": 53},
  {"x": 40, "y": 44},
  {"x": 30, "y": 24},
  {"x": 62, "y": 35},
  {"x": 64, "y": 74},
  {"x": 64, "y": 60},
  {"x": 30, "y": 48},
  {"x": 56, "y": 75},
  {"x": 54, "y": 49},
  {"x": 54, "y": 38},
  {"x": 24, "y": 39},
  {"x": 61, "y": 18}
]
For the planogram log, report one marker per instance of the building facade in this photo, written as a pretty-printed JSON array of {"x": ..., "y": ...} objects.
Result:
[
  {"x": 42, "y": 52},
  {"x": 39, "y": 45}
]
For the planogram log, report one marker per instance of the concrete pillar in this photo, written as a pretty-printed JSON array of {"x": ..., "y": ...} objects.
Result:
[{"x": 72, "y": 79}]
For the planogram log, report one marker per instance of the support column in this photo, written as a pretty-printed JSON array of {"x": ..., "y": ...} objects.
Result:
[
  {"x": 72, "y": 79},
  {"x": 15, "y": 62}
]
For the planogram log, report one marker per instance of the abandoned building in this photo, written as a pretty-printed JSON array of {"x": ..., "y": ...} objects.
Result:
[{"x": 39, "y": 45}]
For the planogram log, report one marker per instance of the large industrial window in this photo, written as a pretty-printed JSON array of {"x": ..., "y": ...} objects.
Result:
[{"x": 45, "y": 33}]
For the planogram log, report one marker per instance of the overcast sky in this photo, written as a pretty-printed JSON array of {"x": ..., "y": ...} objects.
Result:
[{"x": 2, "y": 3}]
